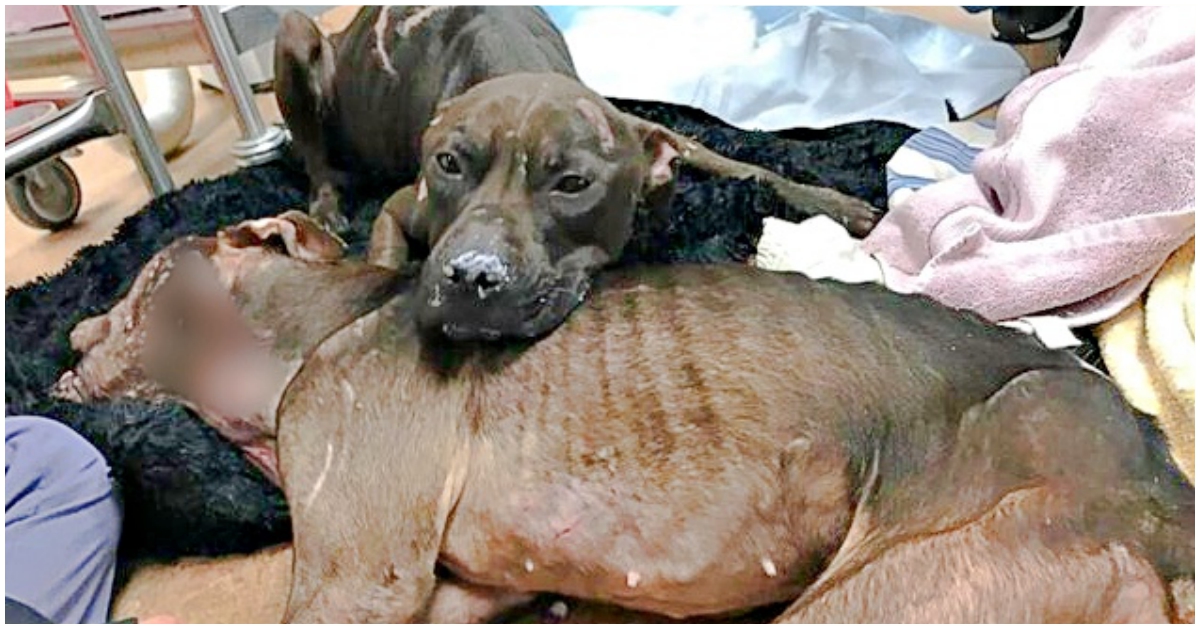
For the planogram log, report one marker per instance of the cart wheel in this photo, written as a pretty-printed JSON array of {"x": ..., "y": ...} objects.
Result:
[{"x": 45, "y": 196}]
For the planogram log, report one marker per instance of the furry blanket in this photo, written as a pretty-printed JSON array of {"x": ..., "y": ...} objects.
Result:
[{"x": 186, "y": 491}]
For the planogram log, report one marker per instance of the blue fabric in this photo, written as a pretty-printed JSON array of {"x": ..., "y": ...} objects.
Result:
[
  {"x": 939, "y": 145},
  {"x": 564, "y": 15},
  {"x": 16, "y": 612},
  {"x": 61, "y": 522},
  {"x": 937, "y": 153},
  {"x": 897, "y": 182}
]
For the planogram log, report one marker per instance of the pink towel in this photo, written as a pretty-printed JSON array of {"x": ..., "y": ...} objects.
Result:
[{"x": 1090, "y": 186}]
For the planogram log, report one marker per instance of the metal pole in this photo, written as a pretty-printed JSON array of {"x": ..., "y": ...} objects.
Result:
[
  {"x": 100, "y": 55},
  {"x": 260, "y": 143}
]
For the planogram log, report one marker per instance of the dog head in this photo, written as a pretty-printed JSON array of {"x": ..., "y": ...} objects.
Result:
[
  {"x": 529, "y": 184},
  {"x": 221, "y": 325}
]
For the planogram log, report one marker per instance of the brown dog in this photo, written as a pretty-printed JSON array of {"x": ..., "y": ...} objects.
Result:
[
  {"x": 526, "y": 182},
  {"x": 695, "y": 441}
]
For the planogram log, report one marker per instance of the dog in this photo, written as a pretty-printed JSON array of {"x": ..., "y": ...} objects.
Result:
[
  {"x": 695, "y": 441},
  {"x": 515, "y": 180}
]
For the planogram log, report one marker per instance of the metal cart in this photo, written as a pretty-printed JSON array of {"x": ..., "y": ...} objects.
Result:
[{"x": 40, "y": 187}]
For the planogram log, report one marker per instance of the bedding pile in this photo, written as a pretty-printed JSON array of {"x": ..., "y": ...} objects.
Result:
[
  {"x": 761, "y": 67},
  {"x": 1087, "y": 189}
]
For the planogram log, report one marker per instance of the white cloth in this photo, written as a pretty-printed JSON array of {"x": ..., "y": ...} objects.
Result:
[
  {"x": 821, "y": 248},
  {"x": 774, "y": 68},
  {"x": 818, "y": 247}
]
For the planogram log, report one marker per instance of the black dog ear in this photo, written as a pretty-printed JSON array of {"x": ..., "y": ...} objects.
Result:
[
  {"x": 304, "y": 68},
  {"x": 299, "y": 236},
  {"x": 662, "y": 155}
]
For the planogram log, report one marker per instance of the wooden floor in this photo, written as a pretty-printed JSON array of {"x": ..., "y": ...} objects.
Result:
[{"x": 112, "y": 187}]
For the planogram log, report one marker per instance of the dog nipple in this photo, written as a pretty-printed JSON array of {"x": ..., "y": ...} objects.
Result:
[
  {"x": 799, "y": 444},
  {"x": 528, "y": 565},
  {"x": 632, "y": 579},
  {"x": 559, "y": 610},
  {"x": 769, "y": 567}
]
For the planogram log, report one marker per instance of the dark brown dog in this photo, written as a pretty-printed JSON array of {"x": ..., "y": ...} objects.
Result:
[
  {"x": 526, "y": 182},
  {"x": 695, "y": 441}
]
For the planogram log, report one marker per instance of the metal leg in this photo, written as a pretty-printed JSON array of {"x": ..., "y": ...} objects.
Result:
[
  {"x": 100, "y": 55},
  {"x": 89, "y": 117},
  {"x": 259, "y": 143}
]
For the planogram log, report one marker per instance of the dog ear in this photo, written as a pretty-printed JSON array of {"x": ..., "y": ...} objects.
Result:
[
  {"x": 304, "y": 68},
  {"x": 299, "y": 235},
  {"x": 412, "y": 212},
  {"x": 663, "y": 155},
  {"x": 400, "y": 233}
]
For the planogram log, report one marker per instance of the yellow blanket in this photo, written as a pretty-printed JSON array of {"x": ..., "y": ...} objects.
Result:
[{"x": 1150, "y": 351}]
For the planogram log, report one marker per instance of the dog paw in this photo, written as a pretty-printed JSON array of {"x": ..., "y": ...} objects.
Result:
[
  {"x": 854, "y": 214},
  {"x": 329, "y": 217},
  {"x": 326, "y": 209},
  {"x": 859, "y": 218}
]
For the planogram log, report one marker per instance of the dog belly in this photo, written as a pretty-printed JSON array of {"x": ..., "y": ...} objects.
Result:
[{"x": 594, "y": 543}]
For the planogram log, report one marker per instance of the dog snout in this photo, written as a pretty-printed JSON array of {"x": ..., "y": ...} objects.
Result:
[{"x": 481, "y": 272}]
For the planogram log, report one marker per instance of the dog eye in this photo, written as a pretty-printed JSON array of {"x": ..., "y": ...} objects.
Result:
[
  {"x": 448, "y": 163},
  {"x": 571, "y": 184}
]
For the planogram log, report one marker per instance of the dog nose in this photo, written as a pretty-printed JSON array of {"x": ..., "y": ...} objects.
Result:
[{"x": 479, "y": 271}]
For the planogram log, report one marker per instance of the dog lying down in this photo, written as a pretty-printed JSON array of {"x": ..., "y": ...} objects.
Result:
[
  {"x": 694, "y": 440},
  {"x": 515, "y": 181}
]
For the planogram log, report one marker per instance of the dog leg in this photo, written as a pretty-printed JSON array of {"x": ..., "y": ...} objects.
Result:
[
  {"x": 1007, "y": 566},
  {"x": 455, "y": 602},
  {"x": 304, "y": 68},
  {"x": 331, "y": 417},
  {"x": 858, "y": 216}
]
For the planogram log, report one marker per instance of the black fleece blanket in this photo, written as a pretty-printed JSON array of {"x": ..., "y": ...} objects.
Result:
[{"x": 184, "y": 489}]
